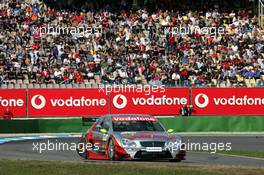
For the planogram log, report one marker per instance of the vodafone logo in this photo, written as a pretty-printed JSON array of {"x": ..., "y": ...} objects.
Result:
[
  {"x": 116, "y": 103},
  {"x": 198, "y": 99},
  {"x": 38, "y": 105}
]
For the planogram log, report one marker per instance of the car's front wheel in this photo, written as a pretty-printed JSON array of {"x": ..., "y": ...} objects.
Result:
[
  {"x": 179, "y": 157},
  {"x": 111, "y": 150},
  {"x": 174, "y": 160},
  {"x": 81, "y": 148}
]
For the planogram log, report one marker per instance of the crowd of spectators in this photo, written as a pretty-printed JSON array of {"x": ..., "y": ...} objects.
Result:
[{"x": 129, "y": 47}]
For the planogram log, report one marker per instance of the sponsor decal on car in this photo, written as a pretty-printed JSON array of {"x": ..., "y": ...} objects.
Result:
[
  {"x": 128, "y": 118},
  {"x": 154, "y": 149}
]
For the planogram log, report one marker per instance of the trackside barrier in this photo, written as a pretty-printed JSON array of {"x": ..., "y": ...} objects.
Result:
[
  {"x": 38, "y": 103},
  {"x": 179, "y": 124},
  {"x": 73, "y": 125}
]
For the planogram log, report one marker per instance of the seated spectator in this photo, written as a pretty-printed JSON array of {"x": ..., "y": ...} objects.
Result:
[{"x": 132, "y": 46}]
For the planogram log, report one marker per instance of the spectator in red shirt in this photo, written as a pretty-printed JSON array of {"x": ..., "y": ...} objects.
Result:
[
  {"x": 4, "y": 12},
  {"x": 8, "y": 115},
  {"x": 35, "y": 46},
  {"x": 79, "y": 78}
]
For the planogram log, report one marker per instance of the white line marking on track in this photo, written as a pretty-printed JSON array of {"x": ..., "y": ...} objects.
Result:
[{"x": 239, "y": 156}]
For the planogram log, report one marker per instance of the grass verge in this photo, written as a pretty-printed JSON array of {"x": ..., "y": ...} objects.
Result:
[{"x": 29, "y": 167}]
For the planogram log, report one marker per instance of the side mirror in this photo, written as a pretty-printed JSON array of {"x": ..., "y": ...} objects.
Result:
[
  {"x": 170, "y": 131},
  {"x": 104, "y": 131}
]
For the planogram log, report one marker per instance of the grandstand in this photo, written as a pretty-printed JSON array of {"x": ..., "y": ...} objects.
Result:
[{"x": 132, "y": 45}]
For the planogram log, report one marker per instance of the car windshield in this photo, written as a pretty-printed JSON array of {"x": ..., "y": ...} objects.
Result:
[{"x": 122, "y": 126}]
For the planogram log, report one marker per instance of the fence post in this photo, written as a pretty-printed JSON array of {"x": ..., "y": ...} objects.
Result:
[
  {"x": 27, "y": 101},
  {"x": 191, "y": 103},
  {"x": 109, "y": 102}
]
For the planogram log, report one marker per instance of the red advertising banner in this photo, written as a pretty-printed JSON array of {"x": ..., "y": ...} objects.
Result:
[
  {"x": 228, "y": 101},
  {"x": 160, "y": 101},
  {"x": 15, "y": 100},
  {"x": 96, "y": 102},
  {"x": 67, "y": 102}
]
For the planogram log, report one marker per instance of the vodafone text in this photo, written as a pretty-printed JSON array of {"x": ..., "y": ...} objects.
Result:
[
  {"x": 11, "y": 102},
  {"x": 78, "y": 102},
  {"x": 245, "y": 100},
  {"x": 164, "y": 100}
]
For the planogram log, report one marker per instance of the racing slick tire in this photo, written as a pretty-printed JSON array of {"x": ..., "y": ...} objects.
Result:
[
  {"x": 179, "y": 157},
  {"x": 174, "y": 160},
  {"x": 82, "y": 153},
  {"x": 111, "y": 149}
]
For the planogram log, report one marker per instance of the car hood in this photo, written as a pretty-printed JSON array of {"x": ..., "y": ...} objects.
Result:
[{"x": 147, "y": 135}]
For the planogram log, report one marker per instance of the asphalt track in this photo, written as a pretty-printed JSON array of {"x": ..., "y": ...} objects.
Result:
[{"x": 24, "y": 150}]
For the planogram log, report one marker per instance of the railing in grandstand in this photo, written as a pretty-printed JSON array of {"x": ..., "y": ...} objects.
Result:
[
  {"x": 249, "y": 83},
  {"x": 261, "y": 13}
]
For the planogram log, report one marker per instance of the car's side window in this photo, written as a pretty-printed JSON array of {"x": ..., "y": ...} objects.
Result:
[
  {"x": 106, "y": 124},
  {"x": 98, "y": 123}
]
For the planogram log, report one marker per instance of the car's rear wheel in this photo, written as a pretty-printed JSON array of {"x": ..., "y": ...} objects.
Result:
[{"x": 111, "y": 150}]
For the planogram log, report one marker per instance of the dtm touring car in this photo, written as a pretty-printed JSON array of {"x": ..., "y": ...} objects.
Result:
[{"x": 128, "y": 137}]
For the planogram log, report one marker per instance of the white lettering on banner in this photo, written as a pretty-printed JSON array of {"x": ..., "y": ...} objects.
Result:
[
  {"x": 164, "y": 100},
  {"x": 71, "y": 102},
  {"x": 11, "y": 102},
  {"x": 239, "y": 101}
]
